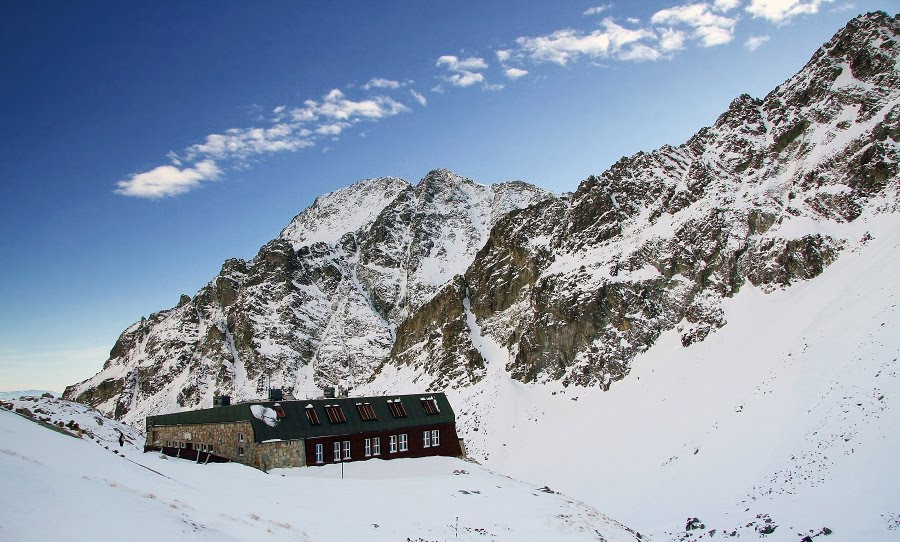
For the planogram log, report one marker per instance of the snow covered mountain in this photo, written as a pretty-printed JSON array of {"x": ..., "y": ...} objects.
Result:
[
  {"x": 317, "y": 306},
  {"x": 575, "y": 287},
  {"x": 707, "y": 331}
]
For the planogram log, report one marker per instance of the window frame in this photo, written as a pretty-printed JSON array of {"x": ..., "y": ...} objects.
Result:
[
  {"x": 426, "y": 439},
  {"x": 312, "y": 415},
  {"x": 404, "y": 442},
  {"x": 346, "y": 450},
  {"x": 435, "y": 437},
  {"x": 335, "y": 414},
  {"x": 241, "y": 451},
  {"x": 366, "y": 412},
  {"x": 320, "y": 453},
  {"x": 368, "y": 447},
  {"x": 397, "y": 409},
  {"x": 376, "y": 446},
  {"x": 337, "y": 451},
  {"x": 240, "y": 437},
  {"x": 392, "y": 444},
  {"x": 429, "y": 404}
]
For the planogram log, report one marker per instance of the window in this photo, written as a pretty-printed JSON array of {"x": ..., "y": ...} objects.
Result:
[
  {"x": 335, "y": 414},
  {"x": 435, "y": 437},
  {"x": 368, "y": 447},
  {"x": 404, "y": 443},
  {"x": 430, "y": 406},
  {"x": 337, "y": 451},
  {"x": 210, "y": 448},
  {"x": 426, "y": 439},
  {"x": 240, "y": 437},
  {"x": 366, "y": 412},
  {"x": 397, "y": 409},
  {"x": 376, "y": 445},
  {"x": 311, "y": 415},
  {"x": 346, "y": 449},
  {"x": 320, "y": 453},
  {"x": 241, "y": 451},
  {"x": 393, "y": 443}
]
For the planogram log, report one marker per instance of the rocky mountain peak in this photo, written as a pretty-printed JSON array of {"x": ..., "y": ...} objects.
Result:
[
  {"x": 447, "y": 280},
  {"x": 343, "y": 211}
]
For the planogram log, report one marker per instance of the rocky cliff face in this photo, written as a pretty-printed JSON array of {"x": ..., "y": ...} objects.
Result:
[
  {"x": 575, "y": 287},
  {"x": 445, "y": 277},
  {"x": 318, "y": 306}
]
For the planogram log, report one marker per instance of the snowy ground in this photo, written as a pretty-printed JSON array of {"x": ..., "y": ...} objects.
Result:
[
  {"x": 789, "y": 414},
  {"x": 59, "y": 487}
]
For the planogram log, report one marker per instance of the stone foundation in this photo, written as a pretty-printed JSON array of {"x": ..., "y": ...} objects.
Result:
[{"x": 233, "y": 441}]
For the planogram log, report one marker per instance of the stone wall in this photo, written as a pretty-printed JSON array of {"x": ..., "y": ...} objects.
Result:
[{"x": 228, "y": 440}]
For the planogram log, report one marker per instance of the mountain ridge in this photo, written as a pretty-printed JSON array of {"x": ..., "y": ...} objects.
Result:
[{"x": 574, "y": 287}]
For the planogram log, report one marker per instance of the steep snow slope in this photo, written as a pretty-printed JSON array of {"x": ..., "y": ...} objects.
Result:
[
  {"x": 61, "y": 488},
  {"x": 789, "y": 411}
]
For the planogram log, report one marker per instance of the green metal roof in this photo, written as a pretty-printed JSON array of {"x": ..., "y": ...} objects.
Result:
[{"x": 296, "y": 425}]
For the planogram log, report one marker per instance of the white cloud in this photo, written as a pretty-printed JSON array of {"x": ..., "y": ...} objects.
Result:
[
  {"x": 640, "y": 53},
  {"x": 597, "y": 10},
  {"x": 727, "y": 5},
  {"x": 515, "y": 73},
  {"x": 566, "y": 45},
  {"x": 782, "y": 11},
  {"x": 465, "y": 78},
  {"x": 710, "y": 36},
  {"x": 502, "y": 54},
  {"x": 463, "y": 72},
  {"x": 168, "y": 180},
  {"x": 333, "y": 129},
  {"x": 291, "y": 130},
  {"x": 671, "y": 39},
  {"x": 378, "y": 82},
  {"x": 709, "y": 28},
  {"x": 456, "y": 64},
  {"x": 419, "y": 98},
  {"x": 755, "y": 42}
]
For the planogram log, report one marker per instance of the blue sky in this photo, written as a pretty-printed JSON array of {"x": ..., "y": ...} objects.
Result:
[{"x": 146, "y": 143}]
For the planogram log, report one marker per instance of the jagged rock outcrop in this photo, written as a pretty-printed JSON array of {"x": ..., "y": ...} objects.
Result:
[
  {"x": 317, "y": 306},
  {"x": 386, "y": 274},
  {"x": 576, "y": 287}
]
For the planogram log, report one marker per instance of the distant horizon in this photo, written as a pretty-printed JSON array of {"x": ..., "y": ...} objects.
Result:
[{"x": 154, "y": 142}]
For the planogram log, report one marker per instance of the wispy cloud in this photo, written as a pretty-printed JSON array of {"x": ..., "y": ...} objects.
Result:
[
  {"x": 596, "y": 10},
  {"x": 564, "y": 46},
  {"x": 782, "y": 11},
  {"x": 462, "y": 72},
  {"x": 709, "y": 27},
  {"x": 755, "y": 42},
  {"x": 515, "y": 73},
  {"x": 290, "y": 130},
  {"x": 704, "y": 23},
  {"x": 418, "y": 97},
  {"x": 168, "y": 180},
  {"x": 378, "y": 82},
  {"x": 726, "y": 5}
]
